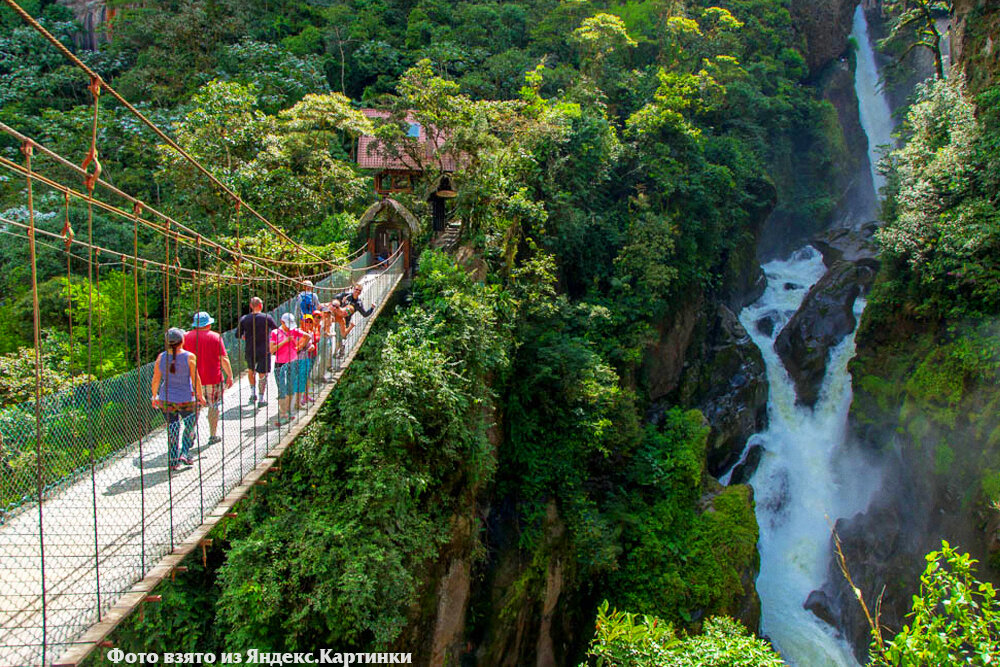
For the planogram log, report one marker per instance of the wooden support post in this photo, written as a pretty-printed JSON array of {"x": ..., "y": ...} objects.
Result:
[
  {"x": 142, "y": 605},
  {"x": 204, "y": 554}
]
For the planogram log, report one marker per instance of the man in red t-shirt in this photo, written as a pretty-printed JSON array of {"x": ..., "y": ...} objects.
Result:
[{"x": 213, "y": 361}]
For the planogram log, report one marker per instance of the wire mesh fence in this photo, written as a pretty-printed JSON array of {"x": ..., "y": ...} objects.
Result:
[{"x": 88, "y": 514}]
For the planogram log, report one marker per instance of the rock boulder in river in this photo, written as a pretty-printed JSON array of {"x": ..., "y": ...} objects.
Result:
[
  {"x": 824, "y": 319},
  {"x": 858, "y": 246}
]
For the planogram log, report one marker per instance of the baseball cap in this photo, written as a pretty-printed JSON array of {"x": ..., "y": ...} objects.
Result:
[
  {"x": 202, "y": 319},
  {"x": 288, "y": 319},
  {"x": 307, "y": 283},
  {"x": 175, "y": 335}
]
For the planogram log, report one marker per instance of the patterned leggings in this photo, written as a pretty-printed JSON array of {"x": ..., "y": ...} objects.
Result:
[{"x": 178, "y": 414}]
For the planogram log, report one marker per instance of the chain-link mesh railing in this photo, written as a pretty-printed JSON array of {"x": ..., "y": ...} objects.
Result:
[{"x": 110, "y": 505}]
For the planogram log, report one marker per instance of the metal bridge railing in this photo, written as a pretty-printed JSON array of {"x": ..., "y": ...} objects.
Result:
[{"x": 110, "y": 508}]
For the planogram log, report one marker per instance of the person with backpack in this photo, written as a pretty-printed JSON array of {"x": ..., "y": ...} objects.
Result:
[
  {"x": 177, "y": 391},
  {"x": 307, "y": 302}
]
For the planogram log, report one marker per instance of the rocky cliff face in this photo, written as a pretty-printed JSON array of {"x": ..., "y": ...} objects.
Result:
[
  {"x": 93, "y": 16},
  {"x": 934, "y": 422},
  {"x": 824, "y": 26},
  {"x": 703, "y": 357},
  {"x": 975, "y": 40}
]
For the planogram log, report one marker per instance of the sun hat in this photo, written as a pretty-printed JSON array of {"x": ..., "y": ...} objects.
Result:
[
  {"x": 288, "y": 319},
  {"x": 175, "y": 335},
  {"x": 307, "y": 283},
  {"x": 202, "y": 319}
]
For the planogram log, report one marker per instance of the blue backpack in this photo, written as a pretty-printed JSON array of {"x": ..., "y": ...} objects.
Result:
[{"x": 308, "y": 302}]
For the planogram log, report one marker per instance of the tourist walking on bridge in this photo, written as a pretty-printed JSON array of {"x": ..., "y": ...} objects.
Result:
[
  {"x": 352, "y": 299},
  {"x": 306, "y": 358},
  {"x": 285, "y": 343},
  {"x": 255, "y": 329},
  {"x": 177, "y": 391},
  {"x": 213, "y": 361}
]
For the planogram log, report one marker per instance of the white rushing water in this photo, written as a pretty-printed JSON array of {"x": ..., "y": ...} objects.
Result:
[
  {"x": 876, "y": 115},
  {"x": 804, "y": 481}
]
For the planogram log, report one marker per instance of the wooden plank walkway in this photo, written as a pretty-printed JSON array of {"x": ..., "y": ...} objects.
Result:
[{"x": 147, "y": 520}]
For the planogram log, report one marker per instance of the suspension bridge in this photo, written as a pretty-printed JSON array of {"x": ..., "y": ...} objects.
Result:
[{"x": 92, "y": 517}]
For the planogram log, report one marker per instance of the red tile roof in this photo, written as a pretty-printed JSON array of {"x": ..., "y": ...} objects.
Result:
[{"x": 373, "y": 154}]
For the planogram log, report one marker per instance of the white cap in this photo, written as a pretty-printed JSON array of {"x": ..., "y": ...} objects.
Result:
[{"x": 288, "y": 319}]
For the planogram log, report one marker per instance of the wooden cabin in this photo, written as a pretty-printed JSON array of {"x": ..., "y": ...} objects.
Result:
[
  {"x": 400, "y": 168},
  {"x": 387, "y": 224}
]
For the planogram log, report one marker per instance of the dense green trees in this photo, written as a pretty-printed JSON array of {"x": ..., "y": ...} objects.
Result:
[
  {"x": 942, "y": 222},
  {"x": 627, "y": 640}
]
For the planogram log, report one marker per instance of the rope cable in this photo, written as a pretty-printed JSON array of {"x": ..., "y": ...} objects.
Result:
[
  {"x": 139, "y": 403},
  {"x": 36, "y": 327},
  {"x": 114, "y": 210},
  {"x": 97, "y": 84}
]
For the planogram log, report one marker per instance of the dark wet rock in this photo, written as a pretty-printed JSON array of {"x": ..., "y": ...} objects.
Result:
[
  {"x": 820, "y": 605},
  {"x": 878, "y": 550},
  {"x": 824, "y": 319},
  {"x": 791, "y": 286},
  {"x": 726, "y": 379},
  {"x": 776, "y": 503},
  {"x": 849, "y": 245},
  {"x": 765, "y": 325},
  {"x": 744, "y": 471},
  {"x": 724, "y": 376}
]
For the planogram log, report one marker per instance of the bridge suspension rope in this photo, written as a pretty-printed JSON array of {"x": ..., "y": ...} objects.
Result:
[{"x": 97, "y": 84}]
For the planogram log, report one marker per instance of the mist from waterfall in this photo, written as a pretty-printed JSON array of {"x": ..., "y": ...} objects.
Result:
[{"x": 873, "y": 105}]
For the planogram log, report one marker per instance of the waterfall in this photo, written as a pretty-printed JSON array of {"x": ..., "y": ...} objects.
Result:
[
  {"x": 876, "y": 115},
  {"x": 804, "y": 481},
  {"x": 807, "y": 478}
]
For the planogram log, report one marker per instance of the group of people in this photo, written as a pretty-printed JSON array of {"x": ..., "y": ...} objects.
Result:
[{"x": 195, "y": 370}]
